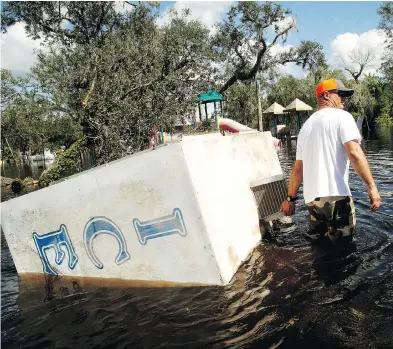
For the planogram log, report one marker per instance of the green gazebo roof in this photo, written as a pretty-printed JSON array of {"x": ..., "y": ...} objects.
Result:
[{"x": 210, "y": 96}]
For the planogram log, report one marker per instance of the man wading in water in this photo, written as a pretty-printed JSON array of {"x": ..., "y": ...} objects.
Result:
[{"x": 328, "y": 140}]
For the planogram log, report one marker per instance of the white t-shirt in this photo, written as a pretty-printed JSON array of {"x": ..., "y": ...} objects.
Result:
[{"x": 320, "y": 146}]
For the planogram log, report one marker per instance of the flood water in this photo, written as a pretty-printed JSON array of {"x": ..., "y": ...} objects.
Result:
[{"x": 288, "y": 295}]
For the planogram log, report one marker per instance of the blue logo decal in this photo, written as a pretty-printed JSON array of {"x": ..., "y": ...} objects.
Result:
[
  {"x": 54, "y": 240},
  {"x": 101, "y": 225},
  {"x": 167, "y": 225}
]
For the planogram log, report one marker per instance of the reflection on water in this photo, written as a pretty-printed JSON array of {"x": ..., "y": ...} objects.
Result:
[{"x": 287, "y": 295}]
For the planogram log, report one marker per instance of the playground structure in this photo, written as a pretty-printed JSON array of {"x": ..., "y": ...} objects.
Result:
[
  {"x": 274, "y": 111},
  {"x": 219, "y": 124},
  {"x": 158, "y": 135},
  {"x": 296, "y": 107},
  {"x": 286, "y": 129},
  {"x": 224, "y": 124},
  {"x": 206, "y": 97}
]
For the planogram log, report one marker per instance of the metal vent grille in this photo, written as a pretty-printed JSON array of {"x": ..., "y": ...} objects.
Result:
[{"x": 269, "y": 195}]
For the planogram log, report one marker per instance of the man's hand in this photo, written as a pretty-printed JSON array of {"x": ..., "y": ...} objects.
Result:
[
  {"x": 288, "y": 208},
  {"x": 296, "y": 178},
  {"x": 375, "y": 199}
]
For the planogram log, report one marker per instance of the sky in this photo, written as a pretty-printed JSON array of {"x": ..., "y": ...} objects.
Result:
[{"x": 337, "y": 25}]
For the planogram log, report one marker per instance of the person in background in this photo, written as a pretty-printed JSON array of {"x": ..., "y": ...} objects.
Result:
[{"x": 326, "y": 143}]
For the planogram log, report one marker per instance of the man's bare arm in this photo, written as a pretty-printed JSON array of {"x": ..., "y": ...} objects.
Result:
[
  {"x": 295, "y": 180},
  {"x": 360, "y": 165}
]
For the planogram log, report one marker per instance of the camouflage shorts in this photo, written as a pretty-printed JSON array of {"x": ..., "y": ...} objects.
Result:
[{"x": 332, "y": 217}]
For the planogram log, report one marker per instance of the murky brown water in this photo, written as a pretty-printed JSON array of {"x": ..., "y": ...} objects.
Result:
[{"x": 288, "y": 295}]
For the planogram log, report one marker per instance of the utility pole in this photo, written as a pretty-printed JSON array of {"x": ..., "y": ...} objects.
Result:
[{"x": 259, "y": 105}]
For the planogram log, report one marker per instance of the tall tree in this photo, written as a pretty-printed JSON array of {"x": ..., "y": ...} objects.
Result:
[
  {"x": 242, "y": 103},
  {"x": 358, "y": 60},
  {"x": 122, "y": 76},
  {"x": 243, "y": 41},
  {"x": 386, "y": 24},
  {"x": 29, "y": 122},
  {"x": 68, "y": 22}
]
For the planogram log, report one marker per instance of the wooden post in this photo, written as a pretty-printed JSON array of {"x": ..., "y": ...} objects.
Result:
[
  {"x": 200, "y": 115},
  {"x": 43, "y": 152},
  {"x": 12, "y": 153},
  {"x": 81, "y": 161},
  {"x": 162, "y": 135},
  {"x": 275, "y": 125},
  {"x": 2, "y": 154},
  {"x": 260, "y": 120},
  {"x": 92, "y": 156},
  {"x": 216, "y": 116}
]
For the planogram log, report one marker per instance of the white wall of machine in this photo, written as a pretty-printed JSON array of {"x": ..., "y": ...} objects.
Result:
[{"x": 182, "y": 213}]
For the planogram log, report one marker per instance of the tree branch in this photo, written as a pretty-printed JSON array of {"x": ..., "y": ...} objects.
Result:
[
  {"x": 135, "y": 89},
  {"x": 240, "y": 56},
  {"x": 131, "y": 4},
  {"x": 360, "y": 59},
  {"x": 100, "y": 21},
  {"x": 47, "y": 27},
  {"x": 285, "y": 31},
  {"x": 246, "y": 76}
]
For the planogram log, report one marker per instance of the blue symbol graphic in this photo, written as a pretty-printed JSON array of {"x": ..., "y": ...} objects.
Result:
[
  {"x": 54, "y": 240},
  {"x": 167, "y": 225},
  {"x": 102, "y": 225}
]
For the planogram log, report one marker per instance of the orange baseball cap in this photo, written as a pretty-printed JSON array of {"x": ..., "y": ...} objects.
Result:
[{"x": 333, "y": 84}]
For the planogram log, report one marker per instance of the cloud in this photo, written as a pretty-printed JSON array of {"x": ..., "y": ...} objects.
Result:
[
  {"x": 285, "y": 23},
  {"x": 279, "y": 48},
  {"x": 17, "y": 50},
  {"x": 289, "y": 68},
  {"x": 123, "y": 7},
  {"x": 343, "y": 44},
  {"x": 208, "y": 13}
]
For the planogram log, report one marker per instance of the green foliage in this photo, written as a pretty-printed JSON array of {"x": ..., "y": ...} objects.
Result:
[
  {"x": 244, "y": 35},
  {"x": 362, "y": 102},
  {"x": 385, "y": 102},
  {"x": 242, "y": 104},
  {"x": 286, "y": 90},
  {"x": 28, "y": 185},
  {"x": 12, "y": 88},
  {"x": 29, "y": 121},
  {"x": 371, "y": 97},
  {"x": 120, "y": 81},
  {"x": 6, "y": 153},
  {"x": 385, "y": 119},
  {"x": 205, "y": 125},
  {"x": 386, "y": 13},
  {"x": 64, "y": 164},
  {"x": 53, "y": 20},
  {"x": 386, "y": 24}
]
